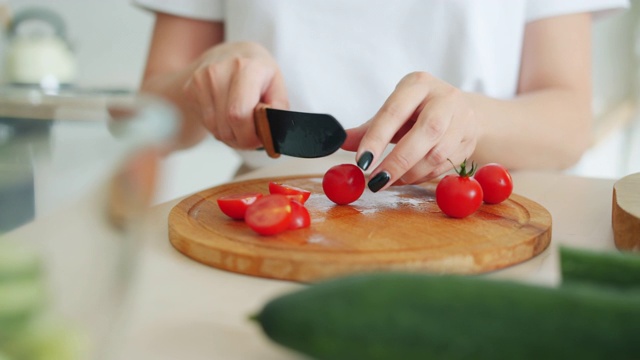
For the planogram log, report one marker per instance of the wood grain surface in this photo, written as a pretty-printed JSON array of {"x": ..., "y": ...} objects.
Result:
[
  {"x": 400, "y": 228},
  {"x": 625, "y": 217}
]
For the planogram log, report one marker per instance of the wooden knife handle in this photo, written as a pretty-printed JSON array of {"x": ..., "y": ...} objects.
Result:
[{"x": 263, "y": 130}]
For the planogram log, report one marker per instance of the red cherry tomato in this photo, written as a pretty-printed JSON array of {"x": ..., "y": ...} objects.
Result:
[
  {"x": 269, "y": 215},
  {"x": 496, "y": 183},
  {"x": 459, "y": 195},
  {"x": 235, "y": 205},
  {"x": 300, "y": 217},
  {"x": 343, "y": 184},
  {"x": 295, "y": 193}
]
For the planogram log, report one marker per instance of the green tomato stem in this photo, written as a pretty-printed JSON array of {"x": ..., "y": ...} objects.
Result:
[{"x": 463, "y": 168}]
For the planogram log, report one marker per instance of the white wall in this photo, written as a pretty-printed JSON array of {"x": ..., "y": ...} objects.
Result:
[
  {"x": 614, "y": 58},
  {"x": 615, "y": 77}
]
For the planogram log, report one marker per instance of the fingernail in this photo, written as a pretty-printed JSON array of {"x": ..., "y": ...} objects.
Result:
[
  {"x": 365, "y": 160},
  {"x": 379, "y": 181}
]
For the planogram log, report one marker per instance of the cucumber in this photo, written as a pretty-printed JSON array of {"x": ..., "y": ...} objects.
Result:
[
  {"x": 48, "y": 338},
  {"x": 18, "y": 262},
  {"x": 20, "y": 302},
  {"x": 618, "y": 270},
  {"x": 22, "y": 290},
  {"x": 420, "y": 316},
  {"x": 20, "y": 297}
]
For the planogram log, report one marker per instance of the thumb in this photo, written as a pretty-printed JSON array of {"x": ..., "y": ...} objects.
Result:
[{"x": 354, "y": 136}]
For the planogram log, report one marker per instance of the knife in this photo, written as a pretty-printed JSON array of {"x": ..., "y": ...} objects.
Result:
[{"x": 299, "y": 134}]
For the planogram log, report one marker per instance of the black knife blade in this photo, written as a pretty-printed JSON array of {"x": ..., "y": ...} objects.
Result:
[{"x": 299, "y": 134}]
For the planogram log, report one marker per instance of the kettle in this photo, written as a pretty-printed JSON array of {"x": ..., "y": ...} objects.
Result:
[{"x": 37, "y": 57}]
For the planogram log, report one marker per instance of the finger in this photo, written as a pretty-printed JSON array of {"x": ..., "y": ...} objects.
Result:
[
  {"x": 402, "y": 132},
  {"x": 466, "y": 147},
  {"x": 449, "y": 148},
  {"x": 201, "y": 90},
  {"x": 444, "y": 148},
  {"x": 354, "y": 137},
  {"x": 399, "y": 182},
  {"x": 465, "y": 152},
  {"x": 457, "y": 145},
  {"x": 431, "y": 126},
  {"x": 394, "y": 113},
  {"x": 218, "y": 80},
  {"x": 247, "y": 84},
  {"x": 198, "y": 90}
]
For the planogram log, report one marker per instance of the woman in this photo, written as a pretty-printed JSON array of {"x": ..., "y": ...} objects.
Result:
[{"x": 495, "y": 81}]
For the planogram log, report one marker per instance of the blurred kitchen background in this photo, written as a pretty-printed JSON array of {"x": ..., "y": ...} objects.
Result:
[{"x": 109, "y": 41}]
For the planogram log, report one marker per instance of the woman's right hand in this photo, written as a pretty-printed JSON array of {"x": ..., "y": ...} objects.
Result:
[{"x": 228, "y": 82}]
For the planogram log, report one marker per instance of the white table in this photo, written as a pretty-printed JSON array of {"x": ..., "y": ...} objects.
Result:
[{"x": 185, "y": 310}]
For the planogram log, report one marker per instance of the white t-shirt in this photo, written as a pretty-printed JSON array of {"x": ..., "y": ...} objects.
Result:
[{"x": 344, "y": 57}]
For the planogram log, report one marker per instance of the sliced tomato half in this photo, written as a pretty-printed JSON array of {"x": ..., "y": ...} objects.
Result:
[
  {"x": 300, "y": 217},
  {"x": 269, "y": 215},
  {"x": 295, "y": 193},
  {"x": 297, "y": 197},
  {"x": 236, "y": 205}
]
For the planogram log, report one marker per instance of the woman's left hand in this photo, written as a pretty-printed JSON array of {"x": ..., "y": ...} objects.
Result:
[{"x": 429, "y": 120}]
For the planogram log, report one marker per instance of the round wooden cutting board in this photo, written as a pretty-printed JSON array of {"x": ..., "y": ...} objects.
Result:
[{"x": 401, "y": 228}]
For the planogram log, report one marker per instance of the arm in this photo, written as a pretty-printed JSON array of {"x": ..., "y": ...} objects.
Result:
[
  {"x": 546, "y": 126},
  {"x": 176, "y": 43},
  {"x": 215, "y": 84}
]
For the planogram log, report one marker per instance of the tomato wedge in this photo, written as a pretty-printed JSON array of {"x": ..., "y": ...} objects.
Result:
[
  {"x": 298, "y": 197},
  {"x": 293, "y": 192},
  {"x": 269, "y": 215},
  {"x": 300, "y": 217},
  {"x": 235, "y": 205}
]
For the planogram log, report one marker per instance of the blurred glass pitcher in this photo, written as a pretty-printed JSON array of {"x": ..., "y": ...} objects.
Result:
[{"x": 76, "y": 175}]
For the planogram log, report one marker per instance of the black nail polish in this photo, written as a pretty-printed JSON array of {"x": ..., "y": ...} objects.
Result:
[
  {"x": 379, "y": 181},
  {"x": 365, "y": 160}
]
